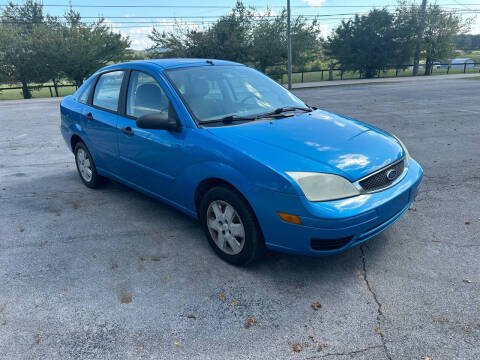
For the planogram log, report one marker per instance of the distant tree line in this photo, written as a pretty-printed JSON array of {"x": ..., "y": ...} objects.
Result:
[
  {"x": 366, "y": 43},
  {"x": 243, "y": 36},
  {"x": 36, "y": 48},
  {"x": 371, "y": 42},
  {"x": 467, "y": 42}
]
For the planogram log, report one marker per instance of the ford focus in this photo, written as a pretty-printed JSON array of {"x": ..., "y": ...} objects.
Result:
[{"x": 225, "y": 144}]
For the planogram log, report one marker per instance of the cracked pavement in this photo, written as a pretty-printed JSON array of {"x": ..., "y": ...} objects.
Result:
[
  {"x": 380, "y": 316},
  {"x": 111, "y": 273}
]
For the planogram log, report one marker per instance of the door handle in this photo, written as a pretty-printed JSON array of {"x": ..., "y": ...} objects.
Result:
[
  {"x": 89, "y": 116},
  {"x": 128, "y": 131}
]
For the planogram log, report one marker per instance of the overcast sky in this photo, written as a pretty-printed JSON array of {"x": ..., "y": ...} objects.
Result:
[{"x": 129, "y": 20}]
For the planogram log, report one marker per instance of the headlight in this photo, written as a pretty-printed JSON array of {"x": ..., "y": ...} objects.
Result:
[
  {"x": 407, "y": 155},
  {"x": 323, "y": 187}
]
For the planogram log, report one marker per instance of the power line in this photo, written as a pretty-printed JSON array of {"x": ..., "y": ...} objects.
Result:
[
  {"x": 256, "y": 17},
  {"x": 200, "y": 20},
  {"x": 180, "y": 21},
  {"x": 229, "y": 7},
  {"x": 209, "y": 16}
]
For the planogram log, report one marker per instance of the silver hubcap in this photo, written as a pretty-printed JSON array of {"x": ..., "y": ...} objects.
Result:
[
  {"x": 225, "y": 227},
  {"x": 84, "y": 165}
]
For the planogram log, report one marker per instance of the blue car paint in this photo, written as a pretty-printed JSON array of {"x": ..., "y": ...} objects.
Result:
[
  {"x": 252, "y": 157},
  {"x": 318, "y": 141}
]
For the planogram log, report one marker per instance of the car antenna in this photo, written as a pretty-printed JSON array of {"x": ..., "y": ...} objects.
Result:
[{"x": 210, "y": 62}]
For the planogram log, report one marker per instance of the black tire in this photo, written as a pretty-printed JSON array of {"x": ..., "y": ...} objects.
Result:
[
  {"x": 96, "y": 180},
  {"x": 253, "y": 245}
]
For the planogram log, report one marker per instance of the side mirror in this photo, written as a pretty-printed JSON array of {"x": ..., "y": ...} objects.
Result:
[{"x": 159, "y": 121}]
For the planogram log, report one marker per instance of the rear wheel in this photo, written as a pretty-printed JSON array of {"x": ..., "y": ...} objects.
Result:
[
  {"x": 231, "y": 226},
  {"x": 86, "y": 167}
]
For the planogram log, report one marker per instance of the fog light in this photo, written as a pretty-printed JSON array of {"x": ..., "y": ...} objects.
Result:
[{"x": 290, "y": 218}]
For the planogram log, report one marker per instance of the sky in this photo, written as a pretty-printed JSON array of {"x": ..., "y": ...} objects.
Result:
[{"x": 138, "y": 17}]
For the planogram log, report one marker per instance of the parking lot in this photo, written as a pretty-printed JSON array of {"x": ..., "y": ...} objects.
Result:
[{"x": 112, "y": 273}]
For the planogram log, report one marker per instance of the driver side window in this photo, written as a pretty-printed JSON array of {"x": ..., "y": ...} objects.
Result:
[{"x": 145, "y": 96}]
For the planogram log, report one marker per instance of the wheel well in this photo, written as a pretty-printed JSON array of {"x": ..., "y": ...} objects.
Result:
[
  {"x": 74, "y": 140},
  {"x": 210, "y": 183}
]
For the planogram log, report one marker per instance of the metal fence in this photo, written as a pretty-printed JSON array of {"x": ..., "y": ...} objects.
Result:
[
  {"x": 304, "y": 75},
  {"x": 53, "y": 89},
  {"x": 279, "y": 73}
]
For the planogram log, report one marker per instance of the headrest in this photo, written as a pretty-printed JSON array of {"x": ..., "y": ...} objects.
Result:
[
  {"x": 148, "y": 95},
  {"x": 198, "y": 88}
]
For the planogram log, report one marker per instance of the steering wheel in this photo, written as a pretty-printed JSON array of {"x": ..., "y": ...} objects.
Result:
[{"x": 249, "y": 96}]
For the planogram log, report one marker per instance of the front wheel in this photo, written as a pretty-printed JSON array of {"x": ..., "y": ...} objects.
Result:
[
  {"x": 231, "y": 226},
  {"x": 86, "y": 167}
]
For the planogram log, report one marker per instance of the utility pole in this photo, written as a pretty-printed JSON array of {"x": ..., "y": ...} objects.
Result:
[
  {"x": 289, "y": 48},
  {"x": 421, "y": 25}
]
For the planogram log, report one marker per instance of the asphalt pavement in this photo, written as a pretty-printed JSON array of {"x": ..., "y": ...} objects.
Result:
[{"x": 114, "y": 274}]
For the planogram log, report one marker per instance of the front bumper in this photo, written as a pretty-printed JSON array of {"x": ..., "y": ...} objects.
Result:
[{"x": 335, "y": 225}]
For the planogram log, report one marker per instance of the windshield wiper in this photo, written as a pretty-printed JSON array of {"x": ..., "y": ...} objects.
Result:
[
  {"x": 231, "y": 118},
  {"x": 228, "y": 119},
  {"x": 283, "y": 109}
]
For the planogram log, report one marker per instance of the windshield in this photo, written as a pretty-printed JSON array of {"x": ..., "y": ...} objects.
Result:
[{"x": 214, "y": 92}]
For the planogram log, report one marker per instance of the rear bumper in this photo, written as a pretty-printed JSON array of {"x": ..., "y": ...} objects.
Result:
[{"x": 334, "y": 226}]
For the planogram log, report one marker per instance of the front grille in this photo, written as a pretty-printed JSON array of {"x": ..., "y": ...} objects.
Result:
[
  {"x": 380, "y": 180},
  {"x": 329, "y": 244}
]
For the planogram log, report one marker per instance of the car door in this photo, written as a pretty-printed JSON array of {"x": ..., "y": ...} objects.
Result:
[
  {"x": 149, "y": 158},
  {"x": 101, "y": 116}
]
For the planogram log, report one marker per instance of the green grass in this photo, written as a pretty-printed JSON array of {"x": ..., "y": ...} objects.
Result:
[
  {"x": 472, "y": 78},
  {"x": 349, "y": 75},
  {"x": 356, "y": 84},
  {"x": 36, "y": 93}
]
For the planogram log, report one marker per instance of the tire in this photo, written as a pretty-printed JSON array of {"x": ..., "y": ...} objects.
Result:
[
  {"x": 223, "y": 228},
  {"x": 84, "y": 160}
]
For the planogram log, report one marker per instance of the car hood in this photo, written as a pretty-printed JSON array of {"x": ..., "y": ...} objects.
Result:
[{"x": 317, "y": 141}]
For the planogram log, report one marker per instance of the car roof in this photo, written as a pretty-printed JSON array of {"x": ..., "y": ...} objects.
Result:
[{"x": 174, "y": 63}]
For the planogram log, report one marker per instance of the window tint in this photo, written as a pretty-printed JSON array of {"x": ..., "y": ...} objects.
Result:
[
  {"x": 107, "y": 90},
  {"x": 145, "y": 96},
  {"x": 83, "y": 98}
]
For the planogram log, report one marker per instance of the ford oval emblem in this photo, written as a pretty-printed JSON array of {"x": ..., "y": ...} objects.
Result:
[{"x": 391, "y": 174}]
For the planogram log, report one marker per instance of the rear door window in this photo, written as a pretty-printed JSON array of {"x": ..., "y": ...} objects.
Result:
[{"x": 107, "y": 90}]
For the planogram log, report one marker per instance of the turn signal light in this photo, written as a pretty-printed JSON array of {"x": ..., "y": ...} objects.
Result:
[{"x": 290, "y": 218}]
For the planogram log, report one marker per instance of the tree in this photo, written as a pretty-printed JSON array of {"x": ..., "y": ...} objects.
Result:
[
  {"x": 441, "y": 26},
  {"x": 229, "y": 38},
  {"x": 365, "y": 43},
  {"x": 88, "y": 47},
  {"x": 269, "y": 43},
  {"x": 170, "y": 44},
  {"x": 306, "y": 43},
  {"x": 405, "y": 24},
  {"x": 22, "y": 36},
  {"x": 238, "y": 37},
  {"x": 35, "y": 48},
  {"x": 440, "y": 31},
  {"x": 371, "y": 42}
]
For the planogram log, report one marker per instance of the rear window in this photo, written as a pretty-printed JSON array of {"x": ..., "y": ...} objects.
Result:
[
  {"x": 107, "y": 90},
  {"x": 83, "y": 98}
]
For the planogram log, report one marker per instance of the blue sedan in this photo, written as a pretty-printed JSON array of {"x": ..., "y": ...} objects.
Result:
[{"x": 227, "y": 145}]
